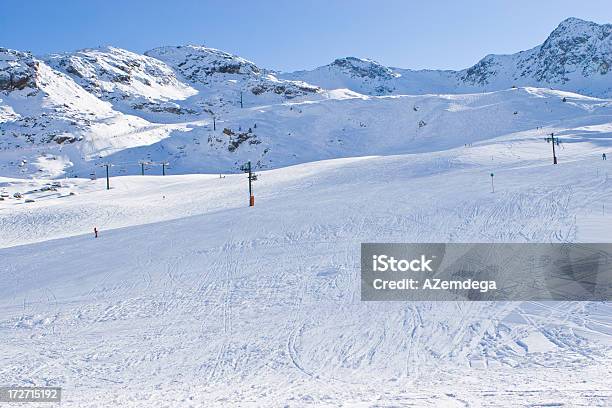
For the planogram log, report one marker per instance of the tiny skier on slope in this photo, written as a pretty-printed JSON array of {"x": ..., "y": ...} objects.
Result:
[
  {"x": 95, "y": 232},
  {"x": 603, "y": 156}
]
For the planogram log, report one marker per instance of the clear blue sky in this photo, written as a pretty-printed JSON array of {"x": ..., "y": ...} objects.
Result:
[{"x": 292, "y": 34}]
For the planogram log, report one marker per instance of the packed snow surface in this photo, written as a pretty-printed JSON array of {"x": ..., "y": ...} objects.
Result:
[{"x": 191, "y": 298}]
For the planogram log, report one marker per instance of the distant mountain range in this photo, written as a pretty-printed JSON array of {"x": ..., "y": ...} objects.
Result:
[
  {"x": 63, "y": 113},
  {"x": 577, "y": 57}
]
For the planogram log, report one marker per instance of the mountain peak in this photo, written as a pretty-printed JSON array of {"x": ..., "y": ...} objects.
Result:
[
  {"x": 353, "y": 60},
  {"x": 228, "y": 74},
  {"x": 573, "y": 21},
  {"x": 575, "y": 27},
  {"x": 364, "y": 67},
  {"x": 197, "y": 62},
  {"x": 576, "y": 22}
]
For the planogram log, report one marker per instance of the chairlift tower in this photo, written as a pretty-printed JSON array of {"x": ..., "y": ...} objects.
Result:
[
  {"x": 107, "y": 165},
  {"x": 142, "y": 166},
  {"x": 252, "y": 177},
  {"x": 555, "y": 141}
]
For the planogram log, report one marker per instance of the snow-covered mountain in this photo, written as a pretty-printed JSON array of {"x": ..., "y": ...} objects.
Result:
[
  {"x": 577, "y": 56},
  {"x": 365, "y": 76},
  {"x": 221, "y": 75},
  {"x": 181, "y": 80},
  {"x": 126, "y": 79},
  {"x": 61, "y": 112},
  {"x": 50, "y": 123},
  {"x": 207, "y": 110}
]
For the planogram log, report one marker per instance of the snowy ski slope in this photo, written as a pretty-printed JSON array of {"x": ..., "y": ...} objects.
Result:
[{"x": 199, "y": 300}]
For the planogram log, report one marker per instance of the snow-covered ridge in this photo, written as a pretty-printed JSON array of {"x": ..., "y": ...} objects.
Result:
[
  {"x": 198, "y": 63},
  {"x": 358, "y": 74},
  {"x": 50, "y": 123},
  {"x": 577, "y": 57},
  {"x": 115, "y": 75},
  {"x": 364, "y": 68},
  {"x": 208, "y": 68}
]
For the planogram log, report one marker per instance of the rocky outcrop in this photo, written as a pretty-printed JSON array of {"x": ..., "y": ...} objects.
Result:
[{"x": 17, "y": 70}]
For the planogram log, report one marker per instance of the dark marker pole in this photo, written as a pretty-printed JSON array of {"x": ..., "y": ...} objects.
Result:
[
  {"x": 492, "y": 187},
  {"x": 163, "y": 168},
  {"x": 142, "y": 168},
  {"x": 241, "y": 99},
  {"x": 250, "y": 178},
  {"x": 107, "y": 178}
]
